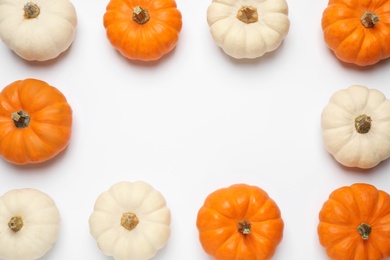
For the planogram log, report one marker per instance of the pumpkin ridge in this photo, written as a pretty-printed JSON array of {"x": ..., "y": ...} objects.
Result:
[
  {"x": 11, "y": 106},
  {"x": 229, "y": 240},
  {"x": 146, "y": 240},
  {"x": 64, "y": 19},
  {"x": 215, "y": 211},
  {"x": 356, "y": 31},
  {"x": 120, "y": 206},
  {"x": 170, "y": 43},
  {"x": 349, "y": 22},
  {"x": 8, "y": 142},
  {"x": 71, "y": 30},
  {"x": 362, "y": 51},
  {"x": 267, "y": 203},
  {"x": 332, "y": 203},
  {"x": 108, "y": 228},
  {"x": 146, "y": 216},
  {"x": 366, "y": 102},
  {"x": 222, "y": 34},
  {"x": 151, "y": 5},
  {"x": 62, "y": 111},
  {"x": 47, "y": 149},
  {"x": 39, "y": 241},
  {"x": 269, "y": 25},
  {"x": 12, "y": 102},
  {"x": 168, "y": 23},
  {"x": 30, "y": 105},
  {"x": 155, "y": 35},
  {"x": 43, "y": 137},
  {"x": 351, "y": 211},
  {"x": 329, "y": 247},
  {"x": 151, "y": 192},
  {"x": 379, "y": 108},
  {"x": 264, "y": 234},
  {"x": 378, "y": 214},
  {"x": 111, "y": 27},
  {"x": 355, "y": 190},
  {"x": 34, "y": 109},
  {"x": 355, "y": 202}
]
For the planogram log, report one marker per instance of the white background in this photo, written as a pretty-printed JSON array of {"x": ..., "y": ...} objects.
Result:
[{"x": 192, "y": 123}]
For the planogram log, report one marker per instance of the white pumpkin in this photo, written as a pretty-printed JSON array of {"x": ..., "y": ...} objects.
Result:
[
  {"x": 130, "y": 221},
  {"x": 29, "y": 224},
  {"x": 38, "y": 29},
  {"x": 356, "y": 127},
  {"x": 248, "y": 28}
]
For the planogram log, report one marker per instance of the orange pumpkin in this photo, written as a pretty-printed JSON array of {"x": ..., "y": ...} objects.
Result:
[
  {"x": 35, "y": 121},
  {"x": 240, "y": 222},
  {"x": 355, "y": 223},
  {"x": 143, "y": 29},
  {"x": 358, "y": 31}
]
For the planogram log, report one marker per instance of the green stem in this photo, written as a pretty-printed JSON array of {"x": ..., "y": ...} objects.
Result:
[
  {"x": 244, "y": 227},
  {"x": 364, "y": 230}
]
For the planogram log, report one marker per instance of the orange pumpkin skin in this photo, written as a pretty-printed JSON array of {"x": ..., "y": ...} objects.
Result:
[
  {"x": 240, "y": 222},
  {"x": 355, "y": 223},
  {"x": 143, "y": 30},
  {"x": 42, "y": 130},
  {"x": 358, "y": 31}
]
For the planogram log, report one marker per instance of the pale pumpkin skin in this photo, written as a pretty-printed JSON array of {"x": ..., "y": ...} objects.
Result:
[
  {"x": 37, "y": 30},
  {"x": 349, "y": 146},
  {"x": 130, "y": 221},
  {"x": 29, "y": 224},
  {"x": 248, "y": 29}
]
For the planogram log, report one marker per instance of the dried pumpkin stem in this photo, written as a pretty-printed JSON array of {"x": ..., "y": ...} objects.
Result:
[
  {"x": 31, "y": 10},
  {"x": 364, "y": 230},
  {"x": 140, "y": 15},
  {"x": 15, "y": 223},
  {"x": 369, "y": 19},
  {"x": 244, "y": 227},
  {"x": 129, "y": 220},
  {"x": 248, "y": 14},
  {"x": 21, "y": 119},
  {"x": 363, "y": 124}
]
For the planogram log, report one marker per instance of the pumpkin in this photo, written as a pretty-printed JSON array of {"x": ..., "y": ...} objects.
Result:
[
  {"x": 357, "y": 31},
  {"x": 143, "y": 30},
  {"x": 29, "y": 224},
  {"x": 35, "y": 122},
  {"x": 356, "y": 127},
  {"x": 248, "y": 29},
  {"x": 239, "y": 222},
  {"x": 354, "y": 223},
  {"x": 130, "y": 221},
  {"x": 37, "y": 30}
]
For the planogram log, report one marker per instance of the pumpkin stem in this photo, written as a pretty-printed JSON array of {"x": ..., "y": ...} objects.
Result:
[
  {"x": 21, "y": 119},
  {"x": 364, "y": 230},
  {"x": 363, "y": 124},
  {"x": 140, "y": 15},
  {"x": 244, "y": 227},
  {"x": 15, "y": 223},
  {"x": 129, "y": 220},
  {"x": 369, "y": 19},
  {"x": 31, "y": 10},
  {"x": 248, "y": 14}
]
